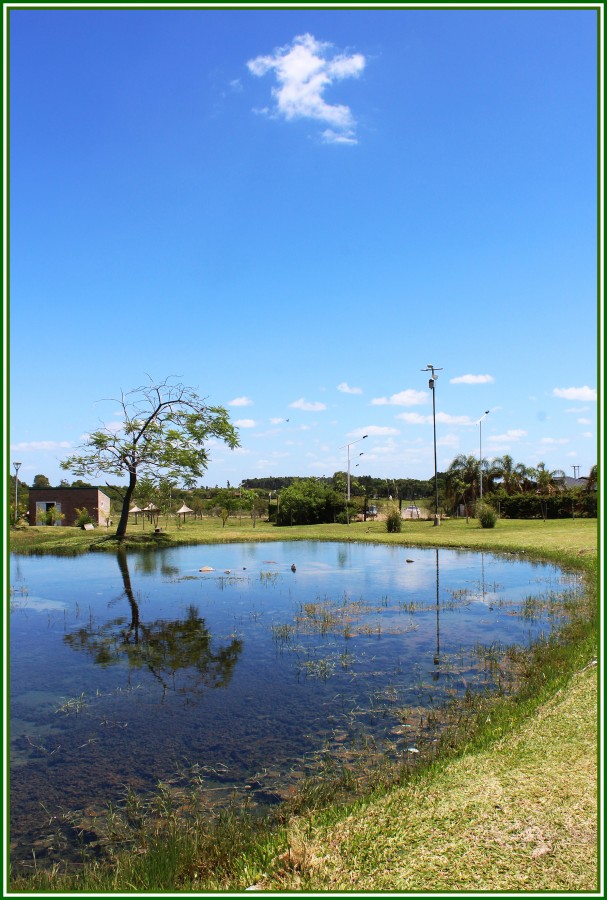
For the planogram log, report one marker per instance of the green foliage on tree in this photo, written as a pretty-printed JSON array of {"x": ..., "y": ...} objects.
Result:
[
  {"x": 41, "y": 481},
  {"x": 163, "y": 433},
  {"x": 309, "y": 501}
]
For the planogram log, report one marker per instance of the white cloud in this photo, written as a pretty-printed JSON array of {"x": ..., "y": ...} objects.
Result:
[
  {"x": 448, "y": 440},
  {"x": 448, "y": 419},
  {"x": 576, "y": 393},
  {"x": 584, "y": 422},
  {"x": 240, "y": 401},
  {"x": 442, "y": 417},
  {"x": 403, "y": 398},
  {"x": 304, "y": 70},
  {"x": 276, "y": 421},
  {"x": 245, "y": 423},
  {"x": 472, "y": 379},
  {"x": 26, "y": 446},
  {"x": 414, "y": 418},
  {"x": 345, "y": 388},
  {"x": 514, "y": 434},
  {"x": 549, "y": 440},
  {"x": 307, "y": 405},
  {"x": 334, "y": 137}
]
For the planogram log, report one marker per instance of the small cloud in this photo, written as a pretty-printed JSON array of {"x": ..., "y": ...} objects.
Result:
[
  {"x": 442, "y": 417},
  {"x": 304, "y": 70},
  {"x": 240, "y": 401},
  {"x": 448, "y": 419},
  {"x": 333, "y": 137},
  {"x": 472, "y": 379},
  {"x": 345, "y": 388},
  {"x": 277, "y": 421},
  {"x": 514, "y": 434},
  {"x": 549, "y": 440},
  {"x": 245, "y": 423},
  {"x": 26, "y": 446},
  {"x": 414, "y": 418},
  {"x": 403, "y": 398},
  {"x": 448, "y": 440},
  {"x": 576, "y": 393},
  {"x": 307, "y": 405},
  {"x": 374, "y": 431},
  {"x": 584, "y": 422}
]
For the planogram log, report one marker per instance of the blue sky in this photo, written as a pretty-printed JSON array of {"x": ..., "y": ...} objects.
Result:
[{"x": 295, "y": 211}]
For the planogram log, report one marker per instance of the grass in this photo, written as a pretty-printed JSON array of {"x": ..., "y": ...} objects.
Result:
[
  {"x": 509, "y": 803},
  {"x": 520, "y": 815},
  {"x": 549, "y": 539}
]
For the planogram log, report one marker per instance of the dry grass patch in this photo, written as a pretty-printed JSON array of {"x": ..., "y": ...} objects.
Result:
[{"x": 520, "y": 816}]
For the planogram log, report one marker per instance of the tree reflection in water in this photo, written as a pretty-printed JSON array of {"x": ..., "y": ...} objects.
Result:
[{"x": 177, "y": 652}]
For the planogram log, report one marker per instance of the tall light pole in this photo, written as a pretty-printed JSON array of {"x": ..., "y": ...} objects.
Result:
[
  {"x": 431, "y": 385},
  {"x": 351, "y": 444},
  {"x": 16, "y": 467},
  {"x": 480, "y": 451}
]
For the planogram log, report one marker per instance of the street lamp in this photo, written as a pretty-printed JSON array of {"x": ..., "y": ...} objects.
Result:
[
  {"x": 360, "y": 454},
  {"x": 431, "y": 385},
  {"x": 16, "y": 467},
  {"x": 480, "y": 451}
]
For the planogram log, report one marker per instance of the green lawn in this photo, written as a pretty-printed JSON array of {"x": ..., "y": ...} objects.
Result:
[{"x": 577, "y": 537}]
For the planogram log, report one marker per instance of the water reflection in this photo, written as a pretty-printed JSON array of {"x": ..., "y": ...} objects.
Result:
[
  {"x": 436, "y": 660},
  {"x": 358, "y": 647},
  {"x": 178, "y": 653}
]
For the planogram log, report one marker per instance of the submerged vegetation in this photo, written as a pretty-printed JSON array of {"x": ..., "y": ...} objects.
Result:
[{"x": 497, "y": 792}]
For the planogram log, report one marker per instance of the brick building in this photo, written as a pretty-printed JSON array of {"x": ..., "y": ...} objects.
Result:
[{"x": 66, "y": 500}]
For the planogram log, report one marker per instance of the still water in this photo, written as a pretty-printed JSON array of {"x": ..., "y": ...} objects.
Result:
[{"x": 130, "y": 670}]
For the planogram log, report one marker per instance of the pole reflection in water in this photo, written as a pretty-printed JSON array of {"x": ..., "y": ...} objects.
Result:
[
  {"x": 177, "y": 653},
  {"x": 436, "y": 673}
]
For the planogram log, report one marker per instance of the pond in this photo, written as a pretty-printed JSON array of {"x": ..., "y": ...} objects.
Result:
[{"x": 239, "y": 665}]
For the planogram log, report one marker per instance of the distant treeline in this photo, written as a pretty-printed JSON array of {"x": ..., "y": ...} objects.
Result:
[{"x": 362, "y": 485}]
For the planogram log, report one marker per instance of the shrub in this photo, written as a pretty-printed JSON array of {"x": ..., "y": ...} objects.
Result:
[
  {"x": 486, "y": 515},
  {"x": 394, "y": 523},
  {"x": 83, "y": 517}
]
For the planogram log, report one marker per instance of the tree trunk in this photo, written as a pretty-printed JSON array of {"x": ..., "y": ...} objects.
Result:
[{"x": 126, "y": 502}]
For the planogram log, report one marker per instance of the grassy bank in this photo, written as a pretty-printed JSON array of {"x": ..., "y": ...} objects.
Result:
[
  {"x": 508, "y": 804},
  {"x": 572, "y": 537}
]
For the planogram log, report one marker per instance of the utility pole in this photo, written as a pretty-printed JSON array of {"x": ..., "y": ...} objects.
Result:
[
  {"x": 431, "y": 385},
  {"x": 16, "y": 467},
  {"x": 348, "y": 482},
  {"x": 480, "y": 451}
]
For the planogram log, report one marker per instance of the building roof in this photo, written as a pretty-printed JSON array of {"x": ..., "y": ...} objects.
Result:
[{"x": 47, "y": 489}]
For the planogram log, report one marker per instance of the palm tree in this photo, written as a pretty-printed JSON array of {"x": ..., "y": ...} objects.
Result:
[
  {"x": 592, "y": 479},
  {"x": 461, "y": 479},
  {"x": 548, "y": 482},
  {"x": 503, "y": 468}
]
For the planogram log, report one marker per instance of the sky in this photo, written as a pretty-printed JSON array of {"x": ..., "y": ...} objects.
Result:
[{"x": 295, "y": 212}]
